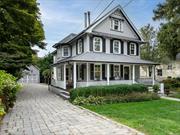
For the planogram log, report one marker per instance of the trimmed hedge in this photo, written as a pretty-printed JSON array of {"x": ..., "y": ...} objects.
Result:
[{"x": 122, "y": 89}]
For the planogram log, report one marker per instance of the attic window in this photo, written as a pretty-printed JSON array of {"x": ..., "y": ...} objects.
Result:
[
  {"x": 117, "y": 24},
  {"x": 80, "y": 46},
  {"x": 66, "y": 51}
]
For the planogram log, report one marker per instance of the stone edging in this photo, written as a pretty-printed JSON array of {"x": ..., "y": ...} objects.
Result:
[{"x": 112, "y": 121}]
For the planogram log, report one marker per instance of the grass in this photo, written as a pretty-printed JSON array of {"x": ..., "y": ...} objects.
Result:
[{"x": 158, "y": 117}]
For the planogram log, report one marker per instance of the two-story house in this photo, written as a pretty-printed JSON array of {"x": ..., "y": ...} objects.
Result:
[{"x": 106, "y": 52}]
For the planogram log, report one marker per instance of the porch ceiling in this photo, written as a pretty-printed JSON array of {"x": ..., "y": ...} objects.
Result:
[{"x": 107, "y": 58}]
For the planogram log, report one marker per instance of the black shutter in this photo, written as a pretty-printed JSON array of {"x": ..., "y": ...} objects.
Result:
[
  {"x": 77, "y": 75},
  {"x": 82, "y": 45},
  {"x": 82, "y": 68},
  {"x": 104, "y": 45},
  {"x": 112, "y": 71},
  {"x": 92, "y": 71},
  {"x": 122, "y": 47},
  {"x": 121, "y": 71},
  {"x": 111, "y": 46},
  {"x": 128, "y": 48},
  {"x": 103, "y": 71},
  {"x": 137, "y": 49},
  {"x": 91, "y": 43},
  {"x": 76, "y": 47}
]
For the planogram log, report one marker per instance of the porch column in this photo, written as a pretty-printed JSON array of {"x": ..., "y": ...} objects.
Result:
[
  {"x": 64, "y": 69},
  {"x": 153, "y": 74},
  {"x": 87, "y": 74},
  {"x": 74, "y": 75},
  {"x": 133, "y": 75},
  {"x": 107, "y": 74}
]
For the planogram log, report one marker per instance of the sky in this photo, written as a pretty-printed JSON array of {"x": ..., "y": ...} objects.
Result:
[{"x": 62, "y": 17}]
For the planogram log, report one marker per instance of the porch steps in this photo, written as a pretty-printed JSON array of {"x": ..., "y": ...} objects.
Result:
[{"x": 64, "y": 94}]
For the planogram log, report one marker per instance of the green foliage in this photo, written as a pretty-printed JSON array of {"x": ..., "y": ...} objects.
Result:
[
  {"x": 156, "y": 88},
  {"x": 8, "y": 89},
  {"x": 91, "y": 100},
  {"x": 169, "y": 33},
  {"x": 20, "y": 30},
  {"x": 102, "y": 91},
  {"x": 2, "y": 111},
  {"x": 172, "y": 82}
]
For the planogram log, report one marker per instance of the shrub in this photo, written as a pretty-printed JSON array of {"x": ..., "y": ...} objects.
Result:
[
  {"x": 102, "y": 91},
  {"x": 156, "y": 88},
  {"x": 8, "y": 89},
  {"x": 87, "y": 101}
]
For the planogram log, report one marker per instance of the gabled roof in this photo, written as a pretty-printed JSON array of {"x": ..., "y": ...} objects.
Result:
[
  {"x": 107, "y": 58},
  {"x": 104, "y": 17},
  {"x": 66, "y": 39}
]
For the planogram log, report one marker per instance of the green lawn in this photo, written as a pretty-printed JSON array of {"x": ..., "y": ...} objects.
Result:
[{"x": 158, "y": 117}]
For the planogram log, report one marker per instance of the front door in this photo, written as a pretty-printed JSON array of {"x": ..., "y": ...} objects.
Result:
[{"x": 126, "y": 73}]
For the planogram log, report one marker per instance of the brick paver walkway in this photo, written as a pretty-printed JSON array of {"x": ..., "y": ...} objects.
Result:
[{"x": 38, "y": 111}]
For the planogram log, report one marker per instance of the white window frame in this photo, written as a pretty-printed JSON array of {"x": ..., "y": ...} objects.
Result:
[
  {"x": 94, "y": 41},
  {"x": 63, "y": 51},
  {"x": 59, "y": 73},
  {"x": 119, "y": 50},
  {"x": 119, "y": 72},
  {"x": 80, "y": 45},
  {"x": 100, "y": 71},
  {"x": 134, "y": 49},
  {"x": 120, "y": 24}
]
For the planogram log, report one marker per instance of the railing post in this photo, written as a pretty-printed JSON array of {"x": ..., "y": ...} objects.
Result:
[
  {"x": 64, "y": 76},
  {"x": 108, "y": 74},
  {"x": 133, "y": 75},
  {"x": 74, "y": 75}
]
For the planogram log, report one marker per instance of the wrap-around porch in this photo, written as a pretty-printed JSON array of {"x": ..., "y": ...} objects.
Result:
[{"x": 82, "y": 74}]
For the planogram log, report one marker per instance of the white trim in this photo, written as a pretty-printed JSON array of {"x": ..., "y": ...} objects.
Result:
[
  {"x": 133, "y": 74},
  {"x": 94, "y": 44},
  {"x": 63, "y": 51},
  {"x": 74, "y": 75},
  {"x": 78, "y": 46},
  {"x": 134, "y": 49},
  {"x": 107, "y": 73},
  {"x": 119, "y": 51},
  {"x": 120, "y": 24}
]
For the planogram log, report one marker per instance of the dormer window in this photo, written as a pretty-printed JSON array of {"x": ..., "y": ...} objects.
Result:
[
  {"x": 97, "y": 44},
  {"x": 80, "y": 46},
  {"x": 132, "y": 48},
  {"x": 66, "y": 51},
  {"x": 116, "y": 46},
  {"x": 117, "y": 24}
]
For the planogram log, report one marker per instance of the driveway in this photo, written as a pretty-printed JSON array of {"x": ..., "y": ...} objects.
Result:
[{"x": 38, "y": 111}]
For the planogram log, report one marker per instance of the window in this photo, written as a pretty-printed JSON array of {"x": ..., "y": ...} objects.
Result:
[
  {"x": 80, "y": 46},
  {"x": 59, "y": 73},
  {"x": 116, "y": 46},
  {"x": 132, "y": 49},
  {"x": 97, "y": 72},
  {"x": 97, "y": 42},
  {"x": 116, "y": 71},
  {"x": 169, "y": 67},
  {"x": 159, "y": 72},
  {"x": 66, "y": 52},
  {"x": 117, "y": 24}
]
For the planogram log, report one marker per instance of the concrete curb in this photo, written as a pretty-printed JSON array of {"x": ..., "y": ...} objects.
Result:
[
  {"x": 112, "y": 121},
  {"x": 170, "y": 98}
]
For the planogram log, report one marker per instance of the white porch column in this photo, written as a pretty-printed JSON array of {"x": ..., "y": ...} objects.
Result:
[
  {"x": 107, "y": 74},
  {"x": 74, "y": 75},
  {"x": 153, "y": 75},
  {"x": 64, "y": 69},
  {"x": 87, "y": 74},
  {"x": 133, "y": 75}
]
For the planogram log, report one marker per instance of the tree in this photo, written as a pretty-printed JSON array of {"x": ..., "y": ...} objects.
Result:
[
  {"x": 20, "y": 30},
  {"x": 169, "y": 33},
  {"x": 148, "y": 49}
]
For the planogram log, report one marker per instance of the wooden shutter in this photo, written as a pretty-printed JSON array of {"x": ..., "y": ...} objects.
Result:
[
  {"x": 91, "y": 43},
  {"x": 76, "y": 47},
  {"x": 121, "y": 68},
  {"x": 137, "y": 49},
  {"x": 92, "y": 71},
  {"x": 122, "y": 47},
  {"x": 77, "y": 73},
  {"x": 103, "y": 44},
  {"x": 82, "y": 68},
  {"x": 82, "y": 45},
  {"x": 112, "y": 71},
  {"x": 103, "y": 71},
  {"x": 111, "y": 46},
  {"x": 128, "y": 48}
]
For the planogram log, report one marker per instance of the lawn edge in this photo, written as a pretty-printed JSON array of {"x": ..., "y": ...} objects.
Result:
[{"x": 112, "y": 121}]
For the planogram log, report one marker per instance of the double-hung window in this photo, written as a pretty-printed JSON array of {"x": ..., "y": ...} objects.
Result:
[
  {"x": 97, "y": 72},
  {"x": 132, "y": 48},
  {"x": 117, "y": 24},
  {"x": 116, "y": 71},
  {"x": 66, "y": 51},
  {"x": 80, "y": 46},
  {"x": 97, "y": 44},
  {"x": 116, "y": 46}
]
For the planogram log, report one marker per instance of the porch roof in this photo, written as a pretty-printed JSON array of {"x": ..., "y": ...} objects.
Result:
[{"x": 106, "y": 58}]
